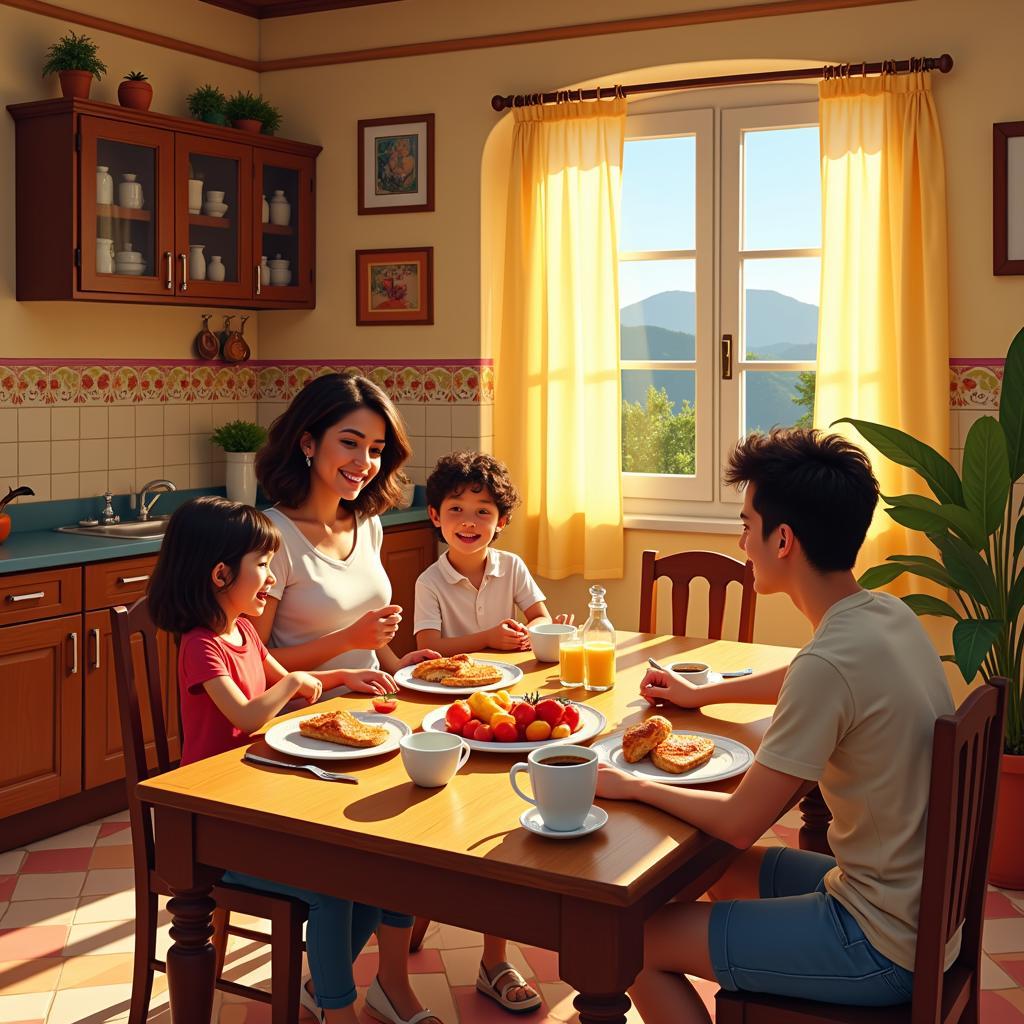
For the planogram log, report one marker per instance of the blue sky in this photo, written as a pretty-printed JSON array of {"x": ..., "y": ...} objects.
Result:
[{"x": 782, "y": 211}]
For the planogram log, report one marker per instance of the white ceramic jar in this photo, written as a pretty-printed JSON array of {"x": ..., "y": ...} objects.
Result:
[
  {"x": 196, "y": 263},
  {"x": 264, "y": 271},
  {"x": 104, "y": 187},
  {"x": 265, "y": 211},
  {"x": 215, "y": 269},
  {"x": 129, "y": 192},
  {"x": 104, "y": 255},
  {"x": 195, "y": 195},
  {"x": 240, "y": 477},
  {"x": 280, "y": 209},
  {"x": 280, "y": 277}
]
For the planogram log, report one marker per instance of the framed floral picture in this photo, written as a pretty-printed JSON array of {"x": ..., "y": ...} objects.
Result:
[
  {"x": 394, "y": 286},
  {"x": 396, "y": 164},
  {"x": 1008, "y": 198}
]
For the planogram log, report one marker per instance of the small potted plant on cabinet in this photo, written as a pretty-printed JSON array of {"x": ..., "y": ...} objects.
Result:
[
  {"x": 252, "y": 113},
  {"x": 135, "y": 92},
  {"x": 240, "y": 439},
  {"x": 207, "y": 104},
  {"x": 74, "y": 58}
]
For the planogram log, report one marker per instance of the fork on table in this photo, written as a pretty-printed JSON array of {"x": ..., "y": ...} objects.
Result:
[{"x": 320, "y": 773}]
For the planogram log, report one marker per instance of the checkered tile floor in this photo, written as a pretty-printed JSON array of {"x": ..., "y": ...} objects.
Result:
[{"x": 66, "y": 938}]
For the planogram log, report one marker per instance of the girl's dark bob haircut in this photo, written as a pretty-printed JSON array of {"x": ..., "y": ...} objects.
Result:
[
  {"x": 201, "y": 533},
  {"x": 281, "y": 467}
]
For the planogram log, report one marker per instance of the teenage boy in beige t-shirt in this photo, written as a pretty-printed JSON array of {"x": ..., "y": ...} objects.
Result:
[{"x": 855, "y": 713}]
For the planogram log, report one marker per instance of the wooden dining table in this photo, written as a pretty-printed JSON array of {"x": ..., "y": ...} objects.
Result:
[{"x": 456, "y": 854}]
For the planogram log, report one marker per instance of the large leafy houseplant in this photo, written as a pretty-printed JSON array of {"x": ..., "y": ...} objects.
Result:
[{"x": 977, "y": 528}]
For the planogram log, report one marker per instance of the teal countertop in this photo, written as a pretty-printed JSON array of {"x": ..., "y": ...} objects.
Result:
[{"x": 33, "y": 544}]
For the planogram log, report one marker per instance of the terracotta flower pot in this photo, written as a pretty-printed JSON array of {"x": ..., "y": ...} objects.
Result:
[
  {"x": 134, "y": 94},
  {"x": 75, "y": 84},
  {"x": 249, "y": 124},
  {"x": 1007, "y": 865}
]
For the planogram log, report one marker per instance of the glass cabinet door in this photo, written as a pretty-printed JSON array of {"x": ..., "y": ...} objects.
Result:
[
  {"x": 213, "y": 220},
  {"x": 126, "y": 204},
  {"x": 284, "y": 226}
]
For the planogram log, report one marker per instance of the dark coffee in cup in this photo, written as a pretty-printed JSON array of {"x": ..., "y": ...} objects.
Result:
[{"x": 565, "y": 760}]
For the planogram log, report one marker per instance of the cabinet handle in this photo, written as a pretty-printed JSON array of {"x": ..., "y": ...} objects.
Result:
[
  {"x": 726, "y": 357},
  {"x": 96, "y": 640},
  {"x": 169, "y": 283},
  {"x": 183, "y": 256},
  {"x": 74, "y": 652},
  {"x": 15, "y": 598},
  {"x": 258, "y": 280},
  {"x": 123, "y": 580}
]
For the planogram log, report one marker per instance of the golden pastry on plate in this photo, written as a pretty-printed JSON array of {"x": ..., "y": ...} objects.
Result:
[
  {"x": 344, "y": 728},
  {"x": 640, "y": 739}
]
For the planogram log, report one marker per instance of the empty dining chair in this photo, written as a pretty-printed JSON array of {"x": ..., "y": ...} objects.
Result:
[
  {"x": 137, "y": 657},
  {"x": 966, "y": 752}
]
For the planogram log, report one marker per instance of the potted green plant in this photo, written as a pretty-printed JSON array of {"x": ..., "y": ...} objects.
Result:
[
  {"x": 977, "y": 528},
  {"x": 75, "y": 60},
  {"x": 135, "y": 92},
  {"x": 207, "y": 104},
  {"x": 252, "y": 113},
  {"x": 240, "y": 439}
]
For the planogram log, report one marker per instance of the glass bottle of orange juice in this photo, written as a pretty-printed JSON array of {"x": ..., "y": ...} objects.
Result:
[{"x": 598, "y": 645}]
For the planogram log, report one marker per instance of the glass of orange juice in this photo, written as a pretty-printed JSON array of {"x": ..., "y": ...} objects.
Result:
[
  {"x": 570, "y": 661},
  {"x": 599, "y": 660}
]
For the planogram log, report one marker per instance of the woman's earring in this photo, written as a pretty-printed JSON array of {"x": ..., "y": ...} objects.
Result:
[{"x": 309, "y": 461}]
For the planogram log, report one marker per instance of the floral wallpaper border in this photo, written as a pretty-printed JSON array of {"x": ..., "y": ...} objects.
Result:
[
  {"x": 102, "y": 382},
  {"x": 975, "y": 383}
]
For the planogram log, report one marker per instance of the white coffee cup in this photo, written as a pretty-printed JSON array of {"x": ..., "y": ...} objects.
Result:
[
  {"x": 563, "y": 793},
  {"x": 546, "y": 638},
  {"x": 432, "y": 758},
  {"x": 695, "y": 672}
]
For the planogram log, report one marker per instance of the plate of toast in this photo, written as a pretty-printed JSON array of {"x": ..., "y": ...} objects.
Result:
[
  {"x": 458, "y": 675},
  {"x": 651, "y": 749},
  {"x": 337, "y": 735}
]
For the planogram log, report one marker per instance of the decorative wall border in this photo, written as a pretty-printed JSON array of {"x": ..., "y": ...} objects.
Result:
[
  {"x": 975, "y": 383},
  {"x": 34, "y": 383}
]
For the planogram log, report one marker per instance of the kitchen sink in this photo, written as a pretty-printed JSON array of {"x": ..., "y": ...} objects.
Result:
[{"x": 151, "y": 529}]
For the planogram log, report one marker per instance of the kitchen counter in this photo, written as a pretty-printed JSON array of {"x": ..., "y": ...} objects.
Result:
[{"x": 33, "y": 543}]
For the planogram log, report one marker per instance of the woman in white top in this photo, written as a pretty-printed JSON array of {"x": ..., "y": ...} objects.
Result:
[{"x": 331, "y": 465}]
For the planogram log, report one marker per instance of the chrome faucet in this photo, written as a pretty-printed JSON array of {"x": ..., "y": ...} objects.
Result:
[
  {"x": 157, "y": 487},
  {"x": 108, "y": 516}
]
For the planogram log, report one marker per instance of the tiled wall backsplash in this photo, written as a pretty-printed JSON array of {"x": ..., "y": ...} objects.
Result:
[{"x": 76, "y": 430}]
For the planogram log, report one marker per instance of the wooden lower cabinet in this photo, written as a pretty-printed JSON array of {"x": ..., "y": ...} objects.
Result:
[
  {"x": 405, "y": 552},
  {"x": 40, "y": 712}
]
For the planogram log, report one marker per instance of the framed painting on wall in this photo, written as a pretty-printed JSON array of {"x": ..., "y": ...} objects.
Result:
[
  {"x": 394, "y": 286},
  {"x": 1008, "y": 198},
  {"x": 396, "y": 164}
]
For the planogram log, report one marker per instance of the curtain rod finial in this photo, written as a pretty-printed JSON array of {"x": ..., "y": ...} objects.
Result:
[
  {"x": 945, "y": 63},
  {"x": 499, "y": 103}
]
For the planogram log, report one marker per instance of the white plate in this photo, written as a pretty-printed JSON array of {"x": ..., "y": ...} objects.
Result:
[
  {"x": 730, "y": 758},
  {"x": 510, "y": 675},
  {"x": 286, "y": 739},
  {"x": 592, "y": 722},
  {"x": 596, "y": 818}
]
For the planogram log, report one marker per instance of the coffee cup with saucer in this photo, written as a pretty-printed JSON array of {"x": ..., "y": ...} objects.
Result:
[
  {"x": 563, "y": 778},
  {"x": 531, "y": 820}
]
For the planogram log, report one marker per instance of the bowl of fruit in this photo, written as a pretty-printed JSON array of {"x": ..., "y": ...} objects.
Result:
[{"x": 514, "y": 725}]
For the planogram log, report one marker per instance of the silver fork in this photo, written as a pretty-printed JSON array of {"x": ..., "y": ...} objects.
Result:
[{"x": 320, "y": 773}]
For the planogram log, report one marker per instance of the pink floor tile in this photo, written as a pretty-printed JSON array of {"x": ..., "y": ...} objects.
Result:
[
  {"x": 32, "y": 943},
  {"x": 53, "y": 861},
  {"x": 788, "y": 835},
  {"x": 543, "y": 961},
  {"x": 997, "y": 1010},
  {"x": 997, "y": 905},
  {"x": 426, "y": 961},
  {"x": 108, "y": 828},
  {"x": 364, "y": 970},
  {"x": 1013, "y": 967},
  {"x": 7, "y": 884}
]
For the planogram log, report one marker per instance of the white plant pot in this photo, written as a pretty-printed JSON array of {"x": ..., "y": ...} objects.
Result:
[{"x": 241, "y": 477}]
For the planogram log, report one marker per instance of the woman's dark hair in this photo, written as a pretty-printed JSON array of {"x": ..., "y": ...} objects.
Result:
[
  {"x": 281, "y": 466},
  {"x": 477, "y": 471},
  {"x": 201, "y": 533},
  {"x": 820, "y": 485}
]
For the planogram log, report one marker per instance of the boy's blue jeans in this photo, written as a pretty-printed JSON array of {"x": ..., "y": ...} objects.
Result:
[{"x": 336, "y": 932}]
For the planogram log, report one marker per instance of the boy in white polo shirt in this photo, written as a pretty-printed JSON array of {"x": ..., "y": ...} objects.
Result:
[{"x": 466, "y": 601}]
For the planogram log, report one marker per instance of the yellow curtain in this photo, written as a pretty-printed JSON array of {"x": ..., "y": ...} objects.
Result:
[
  {"x": 557, "y": 394},
  {"x": 883, "y": 332}
]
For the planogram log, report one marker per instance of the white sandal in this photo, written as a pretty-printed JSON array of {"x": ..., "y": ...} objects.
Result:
[
  {"x": 308, "y": 1002},
  {"x": 379, "y": 1007},
  {"x": 490, "y": 986}
]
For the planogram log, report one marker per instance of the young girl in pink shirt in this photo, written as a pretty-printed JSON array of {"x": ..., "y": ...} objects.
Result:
[{"x": 212, "y": 575}]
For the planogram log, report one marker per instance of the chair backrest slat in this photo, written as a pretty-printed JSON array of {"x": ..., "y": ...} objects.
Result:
[
  {"x": 964, "y": 772},
  {"x": 682, "y": 569}
]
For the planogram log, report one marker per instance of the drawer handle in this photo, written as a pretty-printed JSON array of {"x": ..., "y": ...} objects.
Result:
[
  {"x": 74, "y": 652},
  {"x": 96, "y": 639},
  {"x": 132, "y": 579},
  {"x": 15, "y": 598}
]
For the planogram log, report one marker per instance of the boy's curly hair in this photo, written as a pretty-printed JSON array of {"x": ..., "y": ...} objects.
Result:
[{"x": 477, "y": 471}]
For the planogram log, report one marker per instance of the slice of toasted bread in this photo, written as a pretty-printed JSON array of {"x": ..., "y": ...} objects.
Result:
[
  {"x": 458, "y": 670},
  {"x": 473, "y": 674},
  {"x": 682, "y": 753},
  {"x": 344, "y": 728},
  {"x": 437, "y": 669},
  {"x": 640, "y": 739}
]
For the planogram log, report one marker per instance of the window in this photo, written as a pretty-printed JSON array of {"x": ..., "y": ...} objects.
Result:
[{"x": 718, "y": 277}]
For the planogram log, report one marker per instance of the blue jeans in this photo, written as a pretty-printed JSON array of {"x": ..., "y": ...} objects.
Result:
[
  {"x": 797, "y": 940},
  {"x": 336, "y": 932}
]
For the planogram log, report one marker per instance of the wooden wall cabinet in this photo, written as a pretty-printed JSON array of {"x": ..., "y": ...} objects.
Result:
[
  {"x": 405, "y": 552},
  {"x": 120, "y": 205}
]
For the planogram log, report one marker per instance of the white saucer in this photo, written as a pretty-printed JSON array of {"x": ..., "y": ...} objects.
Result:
[{"x": 531, "y": 821}]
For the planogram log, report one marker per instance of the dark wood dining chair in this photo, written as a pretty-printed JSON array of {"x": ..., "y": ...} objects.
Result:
[
  {"x": 137, "y": 671},
  {"x": 961, "y": 803},
  {"x": 682, "y": 569}
]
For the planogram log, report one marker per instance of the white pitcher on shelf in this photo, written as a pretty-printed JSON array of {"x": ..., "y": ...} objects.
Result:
[
  {"x": 104, "y": 255},
  {"x": 104, "y": 187}
]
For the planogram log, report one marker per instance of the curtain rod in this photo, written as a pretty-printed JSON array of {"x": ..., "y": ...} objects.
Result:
[{"x": 943, "y": 64}]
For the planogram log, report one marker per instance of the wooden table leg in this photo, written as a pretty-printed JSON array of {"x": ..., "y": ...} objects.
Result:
[
  {"x": 602, "y": 1009},
  {"x": 191, "y": 960},
  {"x": 816, "y": 815}
]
